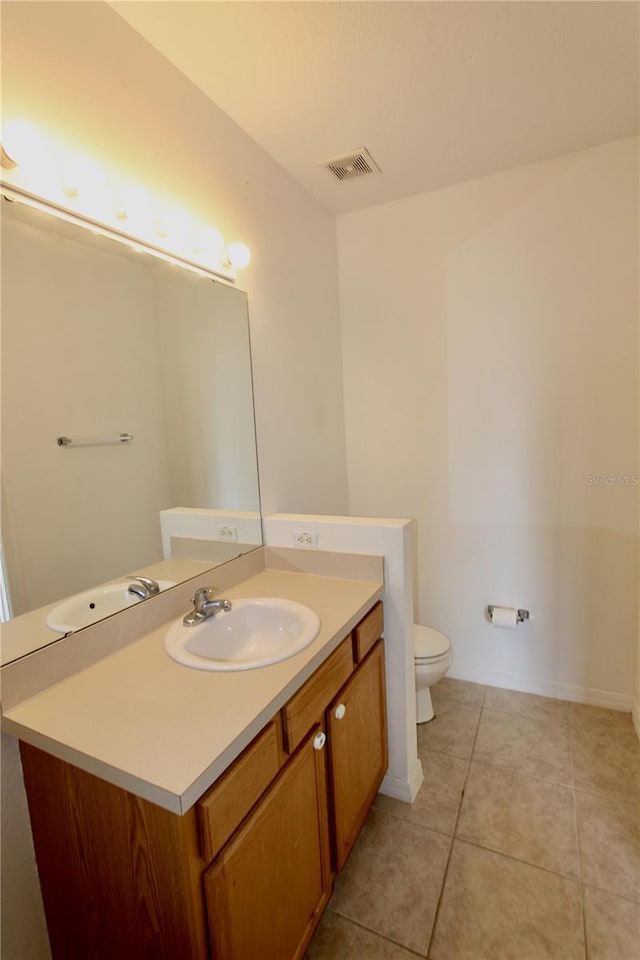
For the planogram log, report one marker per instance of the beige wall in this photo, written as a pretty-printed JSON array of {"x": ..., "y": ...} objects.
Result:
[{"x": 490, "y": 338}]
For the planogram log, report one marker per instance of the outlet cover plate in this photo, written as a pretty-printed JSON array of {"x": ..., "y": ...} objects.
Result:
[{"x": 305, "y": 538}]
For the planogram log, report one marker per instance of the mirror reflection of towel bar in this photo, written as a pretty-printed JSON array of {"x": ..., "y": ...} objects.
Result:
[{"x": 95, "y": 441}]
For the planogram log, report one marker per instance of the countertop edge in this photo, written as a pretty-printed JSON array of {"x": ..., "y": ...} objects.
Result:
[{"x": 104, "y": 771}]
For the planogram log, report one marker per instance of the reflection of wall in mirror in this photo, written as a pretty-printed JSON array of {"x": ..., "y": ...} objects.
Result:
[
  {"x": 215, "y": 535},
  {"x": 76, "y": 341},
  {"x": 206, "y": 376},
  {"x": 98, "y": 341}
]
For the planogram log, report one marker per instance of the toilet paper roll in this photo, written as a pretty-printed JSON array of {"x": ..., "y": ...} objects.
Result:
[{"x": 505, "y": 617}]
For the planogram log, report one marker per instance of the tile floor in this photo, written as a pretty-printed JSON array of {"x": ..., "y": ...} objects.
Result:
[{"x": 522, "y": 844}]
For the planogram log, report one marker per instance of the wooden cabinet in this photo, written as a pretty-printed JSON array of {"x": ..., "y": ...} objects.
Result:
[
  {"x": 357, "y": 735},
  {"x": 268, "y": 888},
  {"x": 246, "y": 873},
  {"x": 120, "y": 877}
]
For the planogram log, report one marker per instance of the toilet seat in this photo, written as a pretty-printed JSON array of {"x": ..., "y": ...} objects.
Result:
[{"x": 430, "y": 646}]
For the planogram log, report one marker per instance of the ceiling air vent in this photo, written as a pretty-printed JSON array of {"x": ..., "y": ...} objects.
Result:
[{"x": 358, "y": 164}]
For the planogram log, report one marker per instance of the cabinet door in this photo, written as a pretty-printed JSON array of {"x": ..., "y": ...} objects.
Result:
[
  {"x": 357, "y": 735},
  {"x": 268, "y": 888}
]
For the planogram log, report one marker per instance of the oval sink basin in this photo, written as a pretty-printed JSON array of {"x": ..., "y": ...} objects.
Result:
[
  {"x": 254, "y": 633},
  {"x": 86, "y": 608}
]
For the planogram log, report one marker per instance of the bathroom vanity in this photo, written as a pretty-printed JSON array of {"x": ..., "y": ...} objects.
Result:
[{"x": 240, "y": 870}]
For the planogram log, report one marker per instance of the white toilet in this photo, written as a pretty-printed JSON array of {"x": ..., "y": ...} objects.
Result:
[{"x": 433, "y": 659}]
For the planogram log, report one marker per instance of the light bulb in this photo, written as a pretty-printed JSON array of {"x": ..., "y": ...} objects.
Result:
[
  {"x": 21, "y": 141},
  {"x": 160, "y": 228},
  {"x": 133, "y": 206},
  {"x": 179, "y": 227},
  {"x": 239, "y": 254},
  {"x": 82, "y": 177},
  {"x": 209, "y": 245}
]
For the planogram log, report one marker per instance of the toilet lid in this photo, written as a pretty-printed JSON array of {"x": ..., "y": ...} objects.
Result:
[{"x": 429, "y": 643}]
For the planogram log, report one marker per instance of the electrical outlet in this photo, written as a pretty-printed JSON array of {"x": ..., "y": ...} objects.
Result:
[
  {"x": 305, "y": 538},
  {"x": 227, "y": 532}
]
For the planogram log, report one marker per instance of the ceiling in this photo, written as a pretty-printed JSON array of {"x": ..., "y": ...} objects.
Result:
[{"x": 438, "y": 92}]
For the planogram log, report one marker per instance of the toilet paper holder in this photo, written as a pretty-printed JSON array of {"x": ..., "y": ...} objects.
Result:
[{"x": 522, "y": 614}]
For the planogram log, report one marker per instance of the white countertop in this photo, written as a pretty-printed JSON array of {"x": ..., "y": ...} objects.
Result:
[{"x": 164, "y": 731}]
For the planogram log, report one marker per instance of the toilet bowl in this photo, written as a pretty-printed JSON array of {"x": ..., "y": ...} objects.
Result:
[{"x": 432, "y": 652}]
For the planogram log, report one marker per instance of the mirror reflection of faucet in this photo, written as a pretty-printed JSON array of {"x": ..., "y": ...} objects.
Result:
[
  {"x": 143, "y": 587},
  {"x": 204, "y": 606},
  {"x": 83, "y": 609}
]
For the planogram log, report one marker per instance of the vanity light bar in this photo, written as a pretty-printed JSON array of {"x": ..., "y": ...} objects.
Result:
[{"x": 19, "y": 195}]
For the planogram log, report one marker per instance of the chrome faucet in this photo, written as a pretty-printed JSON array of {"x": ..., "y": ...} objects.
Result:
[
  {"x": 143, "y": 587},
  {"x": 204, "y": 606}
]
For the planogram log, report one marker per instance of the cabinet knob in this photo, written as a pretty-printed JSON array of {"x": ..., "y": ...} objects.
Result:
[
  {"x": 319, "y": 740},
  {"x": 340, "y": 711}
]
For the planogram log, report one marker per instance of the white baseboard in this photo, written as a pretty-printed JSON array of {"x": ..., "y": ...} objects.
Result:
[
  {"x": 546, "y": 688},
  {"x": 635, "y": 713},
  {"x": 404, "y": 790}
]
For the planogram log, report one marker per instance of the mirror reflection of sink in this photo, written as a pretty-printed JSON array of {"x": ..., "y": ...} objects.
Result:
[
  {"x": 254, "y": 633},
  {"x": 86, "y": 608}
]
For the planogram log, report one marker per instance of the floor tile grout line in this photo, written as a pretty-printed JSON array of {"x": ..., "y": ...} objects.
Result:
[
  {"x": 632, "y": 796},
  {"x": 482, "y": 846},
  {"x": 522, "y": 773},
  {"x": 452, "y": 840},
  {"x": 577, "y": 837},
  {"x": 415, "y": 823},
  {"x": 529, "y": 716},
  {"x": 443, "y": 753},
  {"x": 611, "y": 893},
  {"x": 500, "y": 766},
  {"x": 455, "y": 829},
  {"x": 514, "y": 859},
  {"x": 383, "y": 936}
]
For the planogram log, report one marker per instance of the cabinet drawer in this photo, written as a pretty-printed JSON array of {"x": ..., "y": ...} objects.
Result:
[
  {"x": 367, "y": 632},
  {"x": 309, "y": 703},
  {"x": 225, "y": 805}
]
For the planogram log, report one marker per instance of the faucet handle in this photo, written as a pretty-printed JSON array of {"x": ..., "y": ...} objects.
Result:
[
  {"x": 201, "y": 596},
  {"x": 152, "y": 586},
  {"x": 143, "y": 587}
]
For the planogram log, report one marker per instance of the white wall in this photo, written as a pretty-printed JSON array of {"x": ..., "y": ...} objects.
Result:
[
  {"x": 490, "y": 338},
  {"x": 78, "y": 71}
]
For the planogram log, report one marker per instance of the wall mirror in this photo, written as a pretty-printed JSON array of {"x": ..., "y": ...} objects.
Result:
[{"x": 145, "y": 368}]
